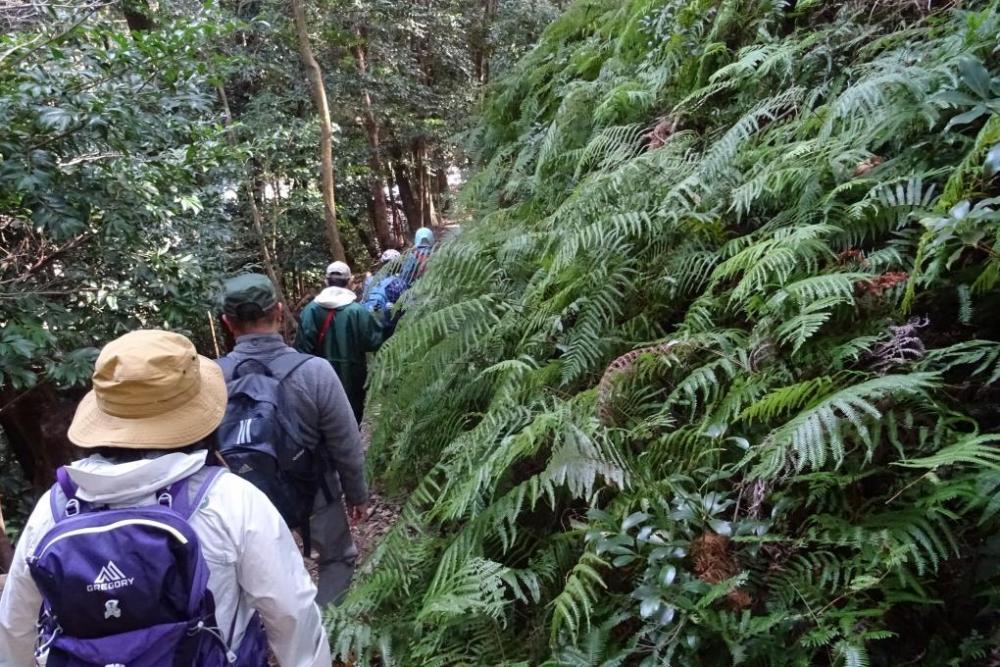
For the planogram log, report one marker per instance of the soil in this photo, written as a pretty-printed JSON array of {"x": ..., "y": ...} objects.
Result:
[{"x": 382, "y": 514}]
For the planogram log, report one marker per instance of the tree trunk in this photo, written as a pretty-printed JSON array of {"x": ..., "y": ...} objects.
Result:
[
  {"x": 380, "y": 214},
  {"x": 255, "y": 215},
  {"x": 410, "y": 206},
  {"x": 397, "y": 221},
  {"x": 432, "y": 218},
  {"x": 481, "y": 47},
  {"x": 137, "y": 15},
  {"x": 441, "y": 174},
  {"x": 421, "y": 178},
  {"x": 257, "y": 218},
  {"x": 440, "y": 190},
  {"x": 366, "y": 238},
  {"x": 315, "y": 76},
  {"x": 35, "y": 422},
  {"x": 427, "y": 184}
]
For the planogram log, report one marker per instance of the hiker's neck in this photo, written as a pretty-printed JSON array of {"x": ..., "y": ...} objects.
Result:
[{"x": 268, "y": 329}]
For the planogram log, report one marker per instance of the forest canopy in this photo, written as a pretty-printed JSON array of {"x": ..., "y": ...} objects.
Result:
[{"x": 152, "y": 148}]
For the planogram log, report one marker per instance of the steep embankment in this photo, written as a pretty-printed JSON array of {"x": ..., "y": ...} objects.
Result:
[{"x": 710, "y": 377}]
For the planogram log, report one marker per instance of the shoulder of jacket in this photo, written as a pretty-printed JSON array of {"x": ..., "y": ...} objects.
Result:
[
  {"x": 308, "y": 309},
  {"x": 231, "y": 496},
  {"x": 356, "y": 309},
  {"x": 229, "y": 359},
  {"x": 314, "y": 373},
  {"x": 228, "y": 482},
  {"x": 39, "y": 522},
  {"x": 231, "y": 511}
]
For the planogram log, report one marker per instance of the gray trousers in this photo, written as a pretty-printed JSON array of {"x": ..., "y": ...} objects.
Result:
[{"x": 331, "y": 538}]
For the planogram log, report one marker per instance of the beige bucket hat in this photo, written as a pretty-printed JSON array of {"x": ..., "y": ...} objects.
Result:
[{"x": 152, "y": 390}]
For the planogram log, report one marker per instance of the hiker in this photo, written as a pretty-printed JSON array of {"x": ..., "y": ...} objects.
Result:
[
  {"x": 145, "y": 553},
  {"x": 312, "y": 401},
  {"x": 416, "y": 261},
  {"x": 334, "y": 326},
  {"x": 380, "y": 297},
  {"x": 384, "y": 260}
]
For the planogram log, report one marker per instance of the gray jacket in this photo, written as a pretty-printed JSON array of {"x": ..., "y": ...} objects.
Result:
[{"x": 322, "y": 411}]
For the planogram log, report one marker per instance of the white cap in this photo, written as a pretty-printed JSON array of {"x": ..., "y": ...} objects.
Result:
[
  {"x": 338, "y": 269},
  {"x": 388, "y": 256}
]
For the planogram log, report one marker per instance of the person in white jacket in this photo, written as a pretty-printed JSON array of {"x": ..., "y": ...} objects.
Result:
[{"x": 166, "y": 400}]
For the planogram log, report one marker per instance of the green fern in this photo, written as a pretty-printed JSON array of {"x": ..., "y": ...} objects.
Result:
[{"x": 658, "y": 402}]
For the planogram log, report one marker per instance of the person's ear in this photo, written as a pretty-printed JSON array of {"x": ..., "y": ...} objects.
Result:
[{"x": 229, "y": 325}]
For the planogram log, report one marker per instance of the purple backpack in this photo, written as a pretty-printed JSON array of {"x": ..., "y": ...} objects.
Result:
[{"x": 129, "y": 587}]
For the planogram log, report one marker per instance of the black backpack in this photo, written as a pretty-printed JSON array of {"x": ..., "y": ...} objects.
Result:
[{"x": 262, "y": 445}]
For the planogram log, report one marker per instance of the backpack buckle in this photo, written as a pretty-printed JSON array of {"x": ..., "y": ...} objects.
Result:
[
  {"x": 166, "y": 500},
  {"x": 72, "y": 507},
  {"x": 44, "y": 643}
]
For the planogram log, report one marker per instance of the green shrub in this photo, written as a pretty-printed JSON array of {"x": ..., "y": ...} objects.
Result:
[{"x": 711, "y": 376}]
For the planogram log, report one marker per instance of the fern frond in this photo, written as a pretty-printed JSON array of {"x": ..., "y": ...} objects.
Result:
[
  {"x": 817, "y": 432},
  {"x": 977, "y": 450}
]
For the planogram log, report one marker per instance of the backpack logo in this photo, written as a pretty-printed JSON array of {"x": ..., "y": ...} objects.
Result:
[
  {"x": 109, "y": 578},
  {"x": 112, "y": 610},
  {"x": 246, "y": 432}
]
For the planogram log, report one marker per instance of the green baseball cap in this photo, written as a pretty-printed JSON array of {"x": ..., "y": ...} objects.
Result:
[{"x": 249, "y": 296}]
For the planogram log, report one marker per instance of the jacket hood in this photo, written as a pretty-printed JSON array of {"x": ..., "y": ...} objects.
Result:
[
  {"x": 104, "y": 481},
  {"x": 259, "y": 345},
  {"x": 336, "y": 297}
]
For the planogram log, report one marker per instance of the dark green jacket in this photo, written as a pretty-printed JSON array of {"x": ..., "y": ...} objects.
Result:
[{"x": 352, "y": 334}]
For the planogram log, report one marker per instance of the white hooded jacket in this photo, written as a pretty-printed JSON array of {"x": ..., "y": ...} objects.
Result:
[
  {"x": 252, "y": 558},
  {"x": 336, "y": 297}
]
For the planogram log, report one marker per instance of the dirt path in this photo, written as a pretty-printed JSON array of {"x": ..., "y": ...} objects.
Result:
[{"x": 382, "y": 515}]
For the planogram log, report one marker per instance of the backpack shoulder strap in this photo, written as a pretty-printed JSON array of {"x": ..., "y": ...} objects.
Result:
[
  {"x": 184, "y": 501},
  {"x": 65, "y": 482},
  {"x": 228, "y": 366},
  {"x": 60, "y": 494},
  {"x": 285, "y": 364},
  {"x": 62, "y": 497}
]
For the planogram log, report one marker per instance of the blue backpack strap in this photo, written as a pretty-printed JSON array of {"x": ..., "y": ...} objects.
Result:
[
  {"x": 280, "y": 367},
  {"x": 228, "y": 366},
  {"x": 285, "y": 364},
  {"x": 65, "y": 483},
  {"x": 62, "y": 497},
  {"x": 63, "y": 501},
  {"x": 185, "y": 503}
]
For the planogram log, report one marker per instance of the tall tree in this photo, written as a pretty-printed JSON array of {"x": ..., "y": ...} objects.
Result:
[
  {"x": 376, "y": 182},
  {"x": 318, "y": 90},
  {"x": 401, "y": 173},
  {"x": 255, "y": 215},
  {"x": 479, "y": 42}
]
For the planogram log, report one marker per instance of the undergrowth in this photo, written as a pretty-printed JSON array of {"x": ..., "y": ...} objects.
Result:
[{"x": 710, "y": 377}]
